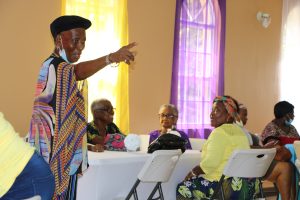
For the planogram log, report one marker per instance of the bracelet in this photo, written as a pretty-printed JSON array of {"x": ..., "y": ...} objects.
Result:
[
  {"x": 193, "y": 173},
  {"x": 107, "y": 59}
]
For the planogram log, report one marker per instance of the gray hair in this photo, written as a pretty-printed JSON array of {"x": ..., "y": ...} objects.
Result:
[
  {"x": 96, "y": 102},
  {"x": 170, "y": 106},
  {"x": 242, "y": 106}
]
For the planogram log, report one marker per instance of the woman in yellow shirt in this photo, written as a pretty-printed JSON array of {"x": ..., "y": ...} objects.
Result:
[
  {"x": 23, "y": 172},
  {"x": 201, "y": 182}
]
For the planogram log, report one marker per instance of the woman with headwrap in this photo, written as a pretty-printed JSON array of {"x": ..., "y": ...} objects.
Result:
[{"x": 203, "y": 179}]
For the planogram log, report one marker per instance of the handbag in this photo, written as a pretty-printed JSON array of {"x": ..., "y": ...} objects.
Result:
[
  {"x": 282, "y": 153},
  {"x": 167, "y": 141}
]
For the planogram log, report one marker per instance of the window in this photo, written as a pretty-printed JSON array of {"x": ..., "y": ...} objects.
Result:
[
  {"x": 289, "y": 63},
  {"x": 107, "y": 34},
  {"x": 196, "y": 62}
]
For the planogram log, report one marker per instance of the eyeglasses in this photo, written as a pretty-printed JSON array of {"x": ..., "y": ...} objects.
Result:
[
  {"x": 168, "y": 116},
  {"x": 109, "y": 110}
]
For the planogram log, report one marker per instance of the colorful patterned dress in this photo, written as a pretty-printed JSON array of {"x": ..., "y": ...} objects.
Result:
[
  {"x": 58, "y": 124},
  {"x": 272, "y": 129},
  {"x": 114, "y": 139}
]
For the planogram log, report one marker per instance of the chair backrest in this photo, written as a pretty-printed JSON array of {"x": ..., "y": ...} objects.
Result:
[
  {"x": 159, "y": 167},
  {"x": 249, "y": 163},
  {"x": 197, "y": 143},
  {"x": 297, "y": 148}
]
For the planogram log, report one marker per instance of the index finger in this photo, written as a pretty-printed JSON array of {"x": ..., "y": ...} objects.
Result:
[{"x": 130, "y": 45}]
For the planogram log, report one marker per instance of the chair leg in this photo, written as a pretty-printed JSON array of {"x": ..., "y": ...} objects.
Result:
[
  {"x": 133, "y": 191},
  {"x": 135, "y": 196},
  {"x": 160, "y": 192},
  {"x": 219, "y": 189},
  {"x": 157, "y": 187},
  {"x": 222, "y": 192},
  {"x": 261, "y": 189}
]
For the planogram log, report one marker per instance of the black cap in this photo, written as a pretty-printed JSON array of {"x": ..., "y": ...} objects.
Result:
[{"x": 68, "y": 22}]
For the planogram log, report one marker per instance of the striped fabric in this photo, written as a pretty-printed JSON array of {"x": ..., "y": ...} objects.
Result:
[
  {"x": 58, "y": 124},
  {"x": 70, "y": 128},
  {"x": 43, "y": 117}
]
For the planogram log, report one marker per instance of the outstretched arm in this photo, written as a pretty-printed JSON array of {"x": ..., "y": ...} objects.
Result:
[{"x": 86, "y": 69}]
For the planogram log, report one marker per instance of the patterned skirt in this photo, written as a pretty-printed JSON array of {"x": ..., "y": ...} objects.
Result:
[{"x": 234, "y": 188}]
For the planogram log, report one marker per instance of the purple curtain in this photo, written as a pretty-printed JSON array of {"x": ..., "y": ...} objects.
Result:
[
  {"x": 198, "y": 63},
  {"x": 222, "y": 7}
]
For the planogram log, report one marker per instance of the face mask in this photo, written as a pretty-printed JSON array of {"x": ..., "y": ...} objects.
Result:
[
  {"x": 288, "y": 122},
  {"x": 62, "y": 53},
  {"x": 239, "y": 123}
]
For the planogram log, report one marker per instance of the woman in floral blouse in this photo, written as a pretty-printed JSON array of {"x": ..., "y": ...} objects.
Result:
[
  {"x": 102, "y": 132},
  {"x": 281, "y": 126}
]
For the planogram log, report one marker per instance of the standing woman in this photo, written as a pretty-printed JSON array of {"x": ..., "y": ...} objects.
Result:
[
  {"x": 58, "y": 123},
  {"x": 203, "y": 179}
]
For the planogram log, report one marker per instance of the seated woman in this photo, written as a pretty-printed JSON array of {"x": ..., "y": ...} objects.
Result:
[
  {"x": 281, "y": 126},
  {"x": 102, "y": 132},
  {"x": 202, "y": 181},
  {"x": 24, "y": 173},
  {"x": 280, "y": 172},
  {"x": 168, "y": 115},
  {"x": 254, "y": 140}
]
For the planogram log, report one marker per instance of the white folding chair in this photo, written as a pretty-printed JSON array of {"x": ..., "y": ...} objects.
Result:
[
  {"x": 158, "y": 169},
  {"x": 297, "y": 151},
  {"x": 250, "y": 163},
  {"x": 296, "y": 145},
  {"x": 197, "y": 143}
]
